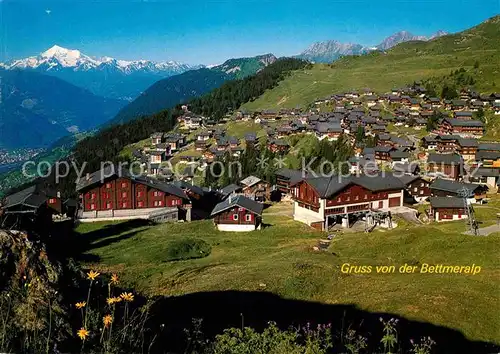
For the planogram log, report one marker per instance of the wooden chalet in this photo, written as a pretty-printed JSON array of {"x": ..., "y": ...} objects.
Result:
[
  {"x": 113, "y": 193},
  {"x": 447, "y": 209},
  {"x": 429, "y": 142},
  {"x": 458, "y": 105},
  {"x": 238, "y": 213},
  {"x": 156, "y": 138},
  {"x": 176, "y": 141},
  {"x": 34, "y": 208},
  {"x": 321, "y": 201},
  {"x": 255, "y": 188},
  {"x": 467, "y": 148},
  {"x": 446, "y": 143},
  {"x": 445, "y": 188},
  {"x": 463, "y": 128},
  {"x": 445, "y": 165},
  {"x": 416, "y": 187},
  {"x": 328, "y": 130},
  {"x": 465, "y": 115},
  {"x": 487, "y": 176},
  {"x": 383, "y": 153},
  {"x": 276, "y": 145},
  {"x": 406, "y": 168},
  {"x": 285, "y": 178}
]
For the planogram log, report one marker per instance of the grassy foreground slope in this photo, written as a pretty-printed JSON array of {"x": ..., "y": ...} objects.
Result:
[
  {"x": 280, "y": 259},
  {"x": 405, "y": 63}
]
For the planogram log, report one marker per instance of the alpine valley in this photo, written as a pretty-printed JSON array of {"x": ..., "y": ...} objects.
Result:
[{"x": 107, "y": 77}]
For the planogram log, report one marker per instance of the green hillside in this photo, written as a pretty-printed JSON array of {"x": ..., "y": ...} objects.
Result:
[
  {"x": 399, "y": 66},
  {"x": 174, "y": 90}
]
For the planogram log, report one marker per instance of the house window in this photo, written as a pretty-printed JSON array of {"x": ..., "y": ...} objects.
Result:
[
  {"x": 124, "y": 205},
  {"x": 421, "y": 192},
  {"x": 366, "y": 197},
  {"x": 108, "y": 205},
  {"x": 140, "y": 204},
  {"x": 92, "y": 196},
  {"x": 415, "y": 189},
  {"x": 160, "y": 202},
  {"x": 52, "y": 200},
  {"x": 108, "y": 185},
  {"x": 422, "y": 184},
  {"x": 356, "y": 198},
  {"x": 92, "y": 206},
  {"x": 348, "y": 199},
  {"x": 124, "y": 184},
  {"x": 248, "y": 217},
  {"x": 139, "y": 194},
  {"x": 124, "y": 194},
  {"x": 339, "y": 199},
  {"x": 155, "y": 193},
  {"x": 235, "y": 217}
]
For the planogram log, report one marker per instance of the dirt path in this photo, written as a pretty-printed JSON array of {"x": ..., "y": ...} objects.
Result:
[{"x": 485, "y": 231}]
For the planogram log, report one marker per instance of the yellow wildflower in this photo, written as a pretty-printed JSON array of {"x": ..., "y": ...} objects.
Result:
[
  {"x": 113, "y": 300},
  {"x": 92, "y": 275},
  {"x": 127, "y": 297},
  {"x": 107, "y": 320},
  {"x": 80, "y": 305},
  {"x": 114, "y": 279},
  {"x": 82, "y": 333}
]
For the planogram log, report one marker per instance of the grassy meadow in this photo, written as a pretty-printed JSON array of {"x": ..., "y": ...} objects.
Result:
[{"x": 280, "y": 259}]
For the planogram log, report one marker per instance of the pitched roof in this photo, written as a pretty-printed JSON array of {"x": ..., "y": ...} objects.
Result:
[
  {"x": 486, "y": 172},
  {"x": 445, "y": 158},
  {"x": 399, "y": 154},
  {"x": 446, "y": 202},
  {"x": 99, "y": 176},
  {"x": 328, "y": 127},
  {"x": 230, "y": 188},
  {"x": 467, "y": 142},
  {"x": 407, "y": 179},
  {"x": 489, "y": 146},
  {"x": 487, "y": 155},
  {"x": 250, "y": 181},
  {"x": 28, "y": 197},
  {"x": 168, "y": 188},
  {"x": 189, "y": 187},
  {"x": 405, "y": 167},
  {"x": 240, "y": 201},
  {"x": 453, "y": 186},
  {"x": 293, "y": 175},
  {"x": 328, "y": 186},
  {"x": 464, "y": 123}
]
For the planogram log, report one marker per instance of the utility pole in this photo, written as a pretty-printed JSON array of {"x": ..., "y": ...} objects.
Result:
[{"x": 465, "y": 193}]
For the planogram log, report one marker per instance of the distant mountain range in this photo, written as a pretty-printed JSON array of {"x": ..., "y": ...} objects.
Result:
[
  {"x": 331, "y": 50},
  {"x": 176, "y": 89},
  {"x": 38, "y": 109},
  {"x": 107, "y": 77}
]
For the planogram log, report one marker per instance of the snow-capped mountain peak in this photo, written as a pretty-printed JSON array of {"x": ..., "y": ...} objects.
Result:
[
  {"x": 60, "y": 51},
  {"x": 104, "y": 76},
  {"x": 57, "y": 58}
]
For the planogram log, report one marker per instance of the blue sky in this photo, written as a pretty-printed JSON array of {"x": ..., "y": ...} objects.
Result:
[{"x": 208, "y": 32}]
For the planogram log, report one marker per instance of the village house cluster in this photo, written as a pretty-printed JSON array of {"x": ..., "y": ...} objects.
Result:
[{"x": 447, "y": 167}]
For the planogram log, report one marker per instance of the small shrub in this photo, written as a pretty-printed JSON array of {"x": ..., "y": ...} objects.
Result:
[{"x": 188, "y": 248}]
